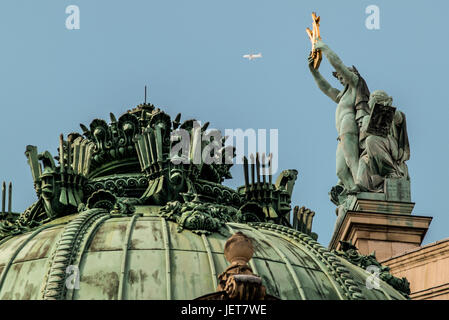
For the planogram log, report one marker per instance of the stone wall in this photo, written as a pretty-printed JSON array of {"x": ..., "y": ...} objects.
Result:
[{"x": 426, "y": 268}]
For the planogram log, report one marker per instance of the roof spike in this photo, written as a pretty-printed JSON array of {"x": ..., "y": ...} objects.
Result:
[
  {"x": 251, "y": 156},
  {"x": 10, "y": 197},
  {"x": 270, "y": 173},
  {"x": 258, "y": 168},
  {"x": 263, "y": 168},
  {"x": 245, "y": 172},
  {"x": 3, "y": 196},
  {"x": 177, "y": 121},
  {"x": 205, "y": 126},
  {"x": 86, "y": 131}
]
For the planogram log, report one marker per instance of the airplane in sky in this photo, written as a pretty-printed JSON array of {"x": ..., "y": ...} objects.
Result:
[{"x": 252, "y": 56}]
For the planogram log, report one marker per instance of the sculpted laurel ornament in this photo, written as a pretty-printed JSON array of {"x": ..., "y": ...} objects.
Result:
[
  {"x": 197, "y": 216},
  {"x": 351, "y": 254},
  {"x": 202, "y": 217}
]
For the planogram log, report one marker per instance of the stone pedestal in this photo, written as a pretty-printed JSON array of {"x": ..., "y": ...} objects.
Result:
[
  {"x": 381, "y": 222},
  {"x": 386, "y": 234},
  {"x": 395, "y": 198}
]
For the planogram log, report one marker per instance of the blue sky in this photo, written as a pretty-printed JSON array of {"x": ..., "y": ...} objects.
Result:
[{"x": 190, "y": 55}]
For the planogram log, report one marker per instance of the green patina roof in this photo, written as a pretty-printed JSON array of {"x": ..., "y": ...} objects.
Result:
[{"x": 145, "y": 257}]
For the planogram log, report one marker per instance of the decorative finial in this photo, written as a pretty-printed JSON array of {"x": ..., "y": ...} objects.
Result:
[{"x": 238, "y": 249}]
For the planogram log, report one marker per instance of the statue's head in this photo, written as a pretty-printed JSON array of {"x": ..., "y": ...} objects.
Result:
[
  {"x": 379, "y": 97},
  {"x": 337, "y": 75}
]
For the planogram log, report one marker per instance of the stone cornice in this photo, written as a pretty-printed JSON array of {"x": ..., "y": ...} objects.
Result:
[{"x": 418, "y": 256}]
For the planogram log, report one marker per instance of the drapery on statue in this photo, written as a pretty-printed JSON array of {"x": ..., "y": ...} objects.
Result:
[
  {"x": 383, "y": 155},
  {"x": 352, "y": 106}
]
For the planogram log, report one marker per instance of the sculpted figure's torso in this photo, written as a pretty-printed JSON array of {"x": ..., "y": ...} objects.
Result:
[{"x": 345, "y": 112}]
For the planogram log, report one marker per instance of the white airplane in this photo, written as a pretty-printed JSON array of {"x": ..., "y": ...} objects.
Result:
[{"x": 252, "y": 56}]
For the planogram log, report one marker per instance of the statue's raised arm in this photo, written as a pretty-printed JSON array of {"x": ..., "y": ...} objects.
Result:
[
  {"x": 322, "y": 83},
  {"x": 343, "y": 72}
]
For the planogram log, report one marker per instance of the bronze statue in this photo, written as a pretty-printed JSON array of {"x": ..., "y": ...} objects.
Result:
[
  {"x": 351, "y": 108},
  {"x": 372, "y": 135}
]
